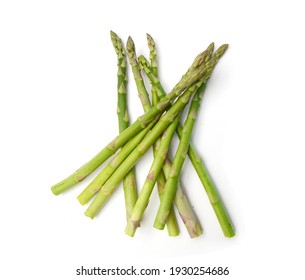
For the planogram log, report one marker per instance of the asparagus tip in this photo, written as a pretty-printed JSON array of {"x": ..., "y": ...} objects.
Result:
[
  {"x": 150, "y": 41},
  {"x": 211, "y": 47},
  {"x": 130, "y": 43},
  {"x": 117, "y": 43},
  {"x": 131, "y": 52},
  {"x": 221, "y": 50},
  {"x": 142, "y": 59},
  {"x": 143, "y": 62},
  {"x": 224, "y": 47},
  {"x": 114, "y": 37}
]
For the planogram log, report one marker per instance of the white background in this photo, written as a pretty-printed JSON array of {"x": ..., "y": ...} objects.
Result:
[{"x": 57, "y": 109}]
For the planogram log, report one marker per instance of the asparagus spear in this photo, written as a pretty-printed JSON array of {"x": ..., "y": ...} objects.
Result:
[
  {"x": 172, "y": 225},
  {"x": 129, "y": 182},
  {"x": 208, "y": 184},
  {"x": 185, "y": 210},
  {"x": 122, "y": 110},
  {"x": 174, "y": 174},
  {"x": 161, "y": 180},
  {"x": 108, "y": 188},
  {"x": 129, "y": 132}
]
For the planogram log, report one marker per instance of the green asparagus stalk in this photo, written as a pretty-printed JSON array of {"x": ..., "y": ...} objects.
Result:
[
  {"x": 208, "y": 184},
  {"x": 172, "y": 225},
  {"x": 122, "y": 110},
  {"x": 185, "y": 210},
  {"x": 129, "y": 182},
  {"x": 150, "y": 181},
  {"x": 129, "y": 132},
  {"x": 108, "y": 188},
  {"x": 174, "y": 174}
]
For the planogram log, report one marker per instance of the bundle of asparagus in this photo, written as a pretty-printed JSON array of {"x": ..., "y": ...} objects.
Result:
[{"x": 156, "y": 127}]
